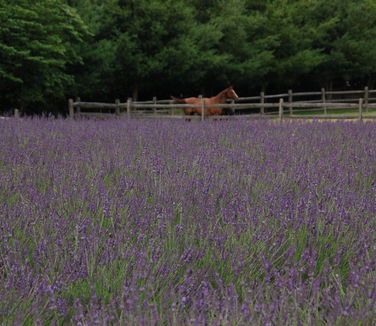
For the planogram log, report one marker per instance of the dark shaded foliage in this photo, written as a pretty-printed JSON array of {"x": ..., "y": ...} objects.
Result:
[{"x": 101, "y": 50}]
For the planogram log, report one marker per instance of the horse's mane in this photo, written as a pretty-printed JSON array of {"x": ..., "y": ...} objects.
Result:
[{"x": 176, "y": 100}]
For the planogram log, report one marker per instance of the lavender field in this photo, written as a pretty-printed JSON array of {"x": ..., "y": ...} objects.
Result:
[{"x": 174, "y": 223}]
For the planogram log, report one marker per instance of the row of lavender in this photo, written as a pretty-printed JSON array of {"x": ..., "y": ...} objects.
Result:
[{"x": 174, "y": 223}]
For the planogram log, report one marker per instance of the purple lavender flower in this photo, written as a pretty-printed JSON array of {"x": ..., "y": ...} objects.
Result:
[{"x": 166, "y": 222}]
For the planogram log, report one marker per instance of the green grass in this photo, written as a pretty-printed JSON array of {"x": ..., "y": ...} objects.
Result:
[{"x": 354, "y": 112}]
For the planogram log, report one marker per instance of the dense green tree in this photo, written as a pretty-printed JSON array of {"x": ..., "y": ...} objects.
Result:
[
  {"x": 95, "y": 75},
  {"x": 36, "y": 45},
  {"x": 155, "y": 40},
  {"x": 248, "y": 48},
  {"x": 242, "y": 50},
  {"x": 136, "y": 43},
  {"x": 347, "y": 38},
  {"x": 323, "y": 41},
  {"x": 294, "y": 51},
  {"x": 107, "y": 49}
]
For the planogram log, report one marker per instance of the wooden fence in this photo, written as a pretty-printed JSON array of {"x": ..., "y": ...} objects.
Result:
[{"x": 290, "y": 105}]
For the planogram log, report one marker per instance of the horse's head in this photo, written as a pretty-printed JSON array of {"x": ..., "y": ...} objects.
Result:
[{"x": 231, "y": 94}]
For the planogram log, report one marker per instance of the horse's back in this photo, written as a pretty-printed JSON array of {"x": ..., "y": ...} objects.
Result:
[{"x": 192, "y": 100}]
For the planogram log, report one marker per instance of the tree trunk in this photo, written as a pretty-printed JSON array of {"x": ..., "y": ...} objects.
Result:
[
  {"x": 329, "y": 87},
  {"x": 135, "y": 93},
  {"x": 371, "y": 83}
]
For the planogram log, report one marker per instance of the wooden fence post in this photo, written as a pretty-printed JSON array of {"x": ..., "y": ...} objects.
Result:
[
  {"x": 262, "y": 101},
  {"x": 323, "y": 98},
  {"x": 71, "y": 108},
  {"x": 129, "y": 106},
  {"x": 16, "y": 113},
  {"x": 78, "y": 99},
  {"x": 290, "y": 101},
  {"x": 172, "y": 110},
  {"x": 117, "y": 110},
  {"x": 366, "y": 96},
  {"x": 360, "y": 109},
  {"x": 154, "y": 102},
  {"x": 280, "y": 108},
  {"x": 202, "y": 108}
]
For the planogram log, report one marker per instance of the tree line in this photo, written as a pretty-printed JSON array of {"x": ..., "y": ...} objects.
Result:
[{"x": 105, "y": 49}]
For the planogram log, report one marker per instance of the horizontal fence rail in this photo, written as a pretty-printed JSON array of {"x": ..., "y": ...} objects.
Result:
[{"x": 288, "y": 105}]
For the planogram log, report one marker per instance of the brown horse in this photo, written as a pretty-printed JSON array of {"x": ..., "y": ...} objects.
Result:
[{"x": 220, "y": 98}]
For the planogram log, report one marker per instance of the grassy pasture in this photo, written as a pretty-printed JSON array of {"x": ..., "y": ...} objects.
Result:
[
  {"x": 172, "y": 223},
  {"x": 370, "y": 112},
  {"x": 348, "y": 112}
]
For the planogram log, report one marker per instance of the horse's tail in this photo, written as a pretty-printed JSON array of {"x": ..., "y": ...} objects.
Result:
[{"x": 176, "y": 100}]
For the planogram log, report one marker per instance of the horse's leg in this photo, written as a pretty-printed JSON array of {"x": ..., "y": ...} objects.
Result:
[{"x": 187, "y": 113}]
